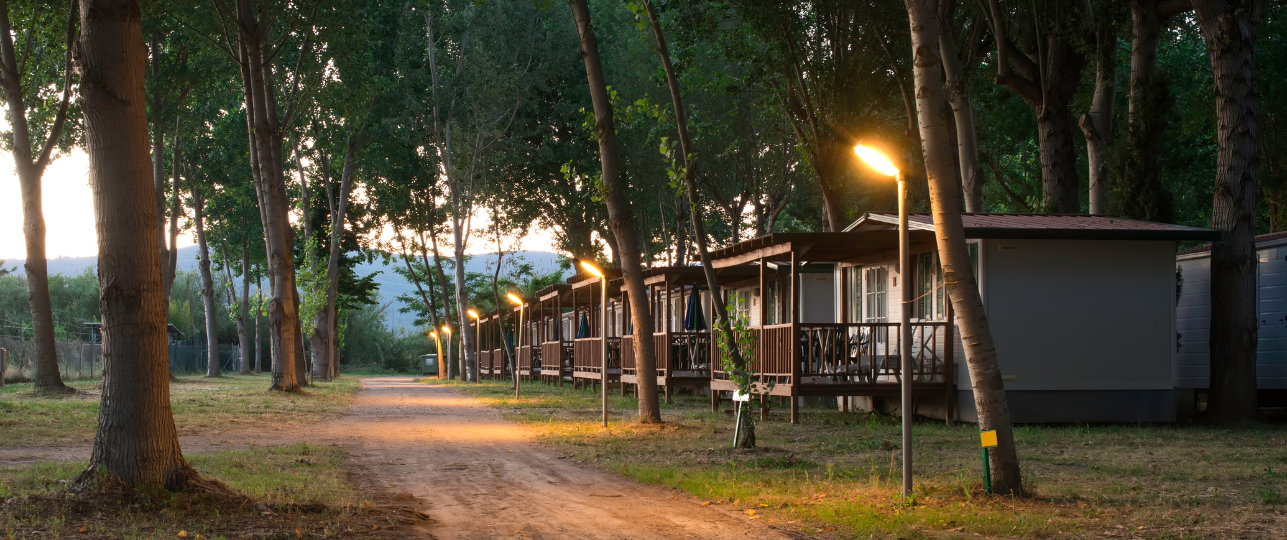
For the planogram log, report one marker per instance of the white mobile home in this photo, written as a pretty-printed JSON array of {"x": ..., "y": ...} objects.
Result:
[
  {"x": 1082, "y": 310},
  {"x": 1193, "y": 320}
]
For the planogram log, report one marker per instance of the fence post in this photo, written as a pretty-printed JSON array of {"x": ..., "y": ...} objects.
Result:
[{"x": 4, "y": 364}]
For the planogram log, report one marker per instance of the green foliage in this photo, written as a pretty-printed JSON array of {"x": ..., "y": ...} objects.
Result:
[
  {"x": 368, "y": 342},
  {"x": 742, "y": 374},
  {"x": 74, "y": 300}
]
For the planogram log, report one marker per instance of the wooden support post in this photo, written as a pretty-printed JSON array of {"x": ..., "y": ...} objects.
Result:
[{"x": 795, "y": 337}]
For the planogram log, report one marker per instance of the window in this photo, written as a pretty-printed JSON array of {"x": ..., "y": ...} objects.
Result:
[
  {"x": 853, "y": 284},
  {"x": 772, "y": 301},
  {"x": 928, "y": 293},
  {"x": 876, "y": 286}
]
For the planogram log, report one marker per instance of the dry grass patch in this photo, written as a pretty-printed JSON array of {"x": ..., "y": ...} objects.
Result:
[
  {"x": 838, "y": 474},
  {"x": 305, "y": 491},
  {"x": 199, "y": 404}
]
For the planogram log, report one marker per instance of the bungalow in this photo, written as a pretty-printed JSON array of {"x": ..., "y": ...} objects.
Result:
[
  {"x": 1193, "y": 320},
  {"x": 1081, "y": 308}
]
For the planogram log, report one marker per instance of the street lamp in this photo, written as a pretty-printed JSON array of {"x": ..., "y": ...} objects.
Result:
[
  {"x": 879, "y": 162},
  {"x": 603, "y": 332},
  {"x": 478, "y": 337},
  {"x": 518, "y": 348},
  {"x": 446, "y": 329},
  {"x": 442, "y": 365}
]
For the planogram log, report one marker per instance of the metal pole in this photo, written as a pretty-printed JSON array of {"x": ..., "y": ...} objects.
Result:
[
  {"x": 603, "y": 343},
  {"x": 905, "y": 333},
  {"x": 519, "y": 349}
]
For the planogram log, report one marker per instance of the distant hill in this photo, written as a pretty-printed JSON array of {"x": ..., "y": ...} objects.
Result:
[{"x": 391, "y": 284}]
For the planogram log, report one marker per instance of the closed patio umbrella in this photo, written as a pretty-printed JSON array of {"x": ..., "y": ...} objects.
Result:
[
  {"x": 694, "y": 321},
  {"x": 583, "y": 328}
]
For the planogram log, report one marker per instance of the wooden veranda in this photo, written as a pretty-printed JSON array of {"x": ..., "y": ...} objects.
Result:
[
  {"x": 589, "y": 367},
  {"x": 794, "y": 359},
  {"x": 682, "y": 321}
]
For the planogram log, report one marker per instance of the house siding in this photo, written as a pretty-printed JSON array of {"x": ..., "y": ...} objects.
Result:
[
  {"x": 1193, "y": 320},
  {"x": 1082, "y": 315}
]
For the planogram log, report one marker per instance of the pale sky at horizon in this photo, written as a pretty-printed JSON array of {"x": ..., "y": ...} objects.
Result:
[{"x": 69, "y": 214}]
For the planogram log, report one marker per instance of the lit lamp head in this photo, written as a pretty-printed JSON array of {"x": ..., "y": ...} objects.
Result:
[
  {"x": 515, "y": 299},
  {"x": 876, "y": 159},
  {"x": 473, "y": 314},
  {"x": 446, "y": 329},
  {"x": 585, "y": 265}
]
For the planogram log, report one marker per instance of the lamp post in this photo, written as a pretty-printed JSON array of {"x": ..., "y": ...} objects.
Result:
[
  {"x": 518, "y": 348},
  {"x": 879, "y": 162},
  {"x": 441, "y": 363},
  {"x": 603, "y": 332},
  {"x": 446, "y": 329},
  {"x": 478, "y": 336}
]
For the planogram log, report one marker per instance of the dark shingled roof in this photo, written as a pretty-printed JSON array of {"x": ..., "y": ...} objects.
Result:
[
  {"x": 1044, "y": 226},
  {"x": 1260, "y": 239}
]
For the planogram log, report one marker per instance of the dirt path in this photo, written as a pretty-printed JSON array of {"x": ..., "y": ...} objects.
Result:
[
  {"x": 480, "y": 477},
  {"x": 476, "y": 474}
]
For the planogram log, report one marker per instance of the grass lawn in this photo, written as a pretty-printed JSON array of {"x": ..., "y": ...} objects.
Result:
[
  {"x": 199, "y": 404},
  {"x": 838, "y": 474},
  {"x": 305, "y": 488}
]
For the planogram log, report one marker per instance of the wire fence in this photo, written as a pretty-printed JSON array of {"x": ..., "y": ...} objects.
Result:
[{"x": 80, "y": 354}]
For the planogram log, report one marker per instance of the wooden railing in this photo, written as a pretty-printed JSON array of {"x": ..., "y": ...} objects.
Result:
[
  {"x": 499, "y": 362},
  {"x": 676, "y": 351},
  {"x": 556, "y": 355},
  {"x": 484, "y": 362},
  {"x": 586, "y": 355},
  {"x": 529, "y": 358},
  {"x": 864, "y": 353}
]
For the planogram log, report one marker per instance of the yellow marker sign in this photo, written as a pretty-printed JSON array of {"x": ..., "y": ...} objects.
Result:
[{"x": 989, "y": 438}]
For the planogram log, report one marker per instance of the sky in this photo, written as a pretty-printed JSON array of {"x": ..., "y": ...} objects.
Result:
[{"x": 69, "y": 214}]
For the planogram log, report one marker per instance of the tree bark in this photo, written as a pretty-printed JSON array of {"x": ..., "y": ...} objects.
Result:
[
  {"x": 620, "y": 219},
  {"x": 958, "y": 94},
  {"x": 1047, "y": 80},
  {"x": 694, "y": 205},
  {"x": 31, "y": 169},
  {"x": 976, "y": 335},
  {"x": 1229, "y": 30},
  {"x": 259, "y": 316},
  {"x": 207, "y": 284},
  {"x": 283, "y": 308},
  {"x": 322, "y": 361},
  {"x": 243, "y": 314},
  {"x": 1097, "y": 124},
  {"x": 136, "y": 442},
  {"x": 171, "y": 261}
]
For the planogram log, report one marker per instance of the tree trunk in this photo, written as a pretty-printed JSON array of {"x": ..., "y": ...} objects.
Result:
[
  {"x": 694, "y": 204},
  {"x": 30, "y": 170},
  {"x": 283, "y": 308},
  {"x": 967, "y": 139},
  {"x": 243, "y": 314},
  {"x": 1097, "y": 125},
  {"x": 1229, "y": 29},
  {"x": 136, "y": 442},
  {"x": 1047, "y": 80},
  {"x": 1059, "y": 182},
  {"x": 207, "y": 285},
  {"x": 322, "y": 362},
  {"x": 171, "y": 261},
  {"x": 259, "y": 316},
  {"x": 980, "y": 351},
  {"x": 620, "y": 219}
]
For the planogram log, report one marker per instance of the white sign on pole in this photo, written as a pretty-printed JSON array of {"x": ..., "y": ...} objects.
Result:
[{"x": 739, "y": 396}]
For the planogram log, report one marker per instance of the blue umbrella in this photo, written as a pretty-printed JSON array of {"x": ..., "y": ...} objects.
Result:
[
  {"x": 694, "y": 321},
  {"x": 583, "y": 329}
]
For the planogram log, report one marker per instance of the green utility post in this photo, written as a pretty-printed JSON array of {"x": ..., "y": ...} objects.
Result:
[{"x": 988, "y": 440}]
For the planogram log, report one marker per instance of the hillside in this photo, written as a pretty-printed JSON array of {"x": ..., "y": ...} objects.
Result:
[{"x": 391, "y": 284}]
